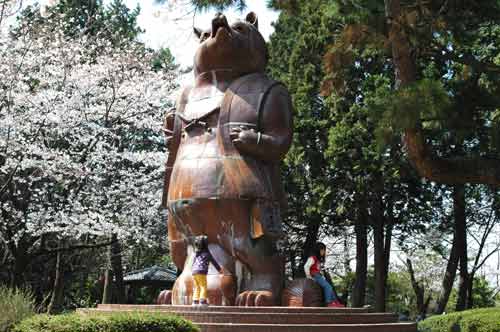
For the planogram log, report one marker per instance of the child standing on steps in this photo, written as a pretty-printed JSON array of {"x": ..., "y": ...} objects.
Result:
[
  {"x": 202, "y": 259},
  {"x": 312, "y": 268}
]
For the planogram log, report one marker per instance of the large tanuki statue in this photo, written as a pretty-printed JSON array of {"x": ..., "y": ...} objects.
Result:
[{"x": 226, "y": 138}]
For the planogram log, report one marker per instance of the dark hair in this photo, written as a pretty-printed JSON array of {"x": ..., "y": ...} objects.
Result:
[
  {"x": 316, "y": 251},
  {"x": 201, "y": 243}
]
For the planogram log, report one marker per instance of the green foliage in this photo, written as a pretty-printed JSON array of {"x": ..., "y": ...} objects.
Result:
[
  {"x": 334, "y": 168},
  {"x": 15, "y": 305},
  {"x": 217, "y": 4},
  {"x": 483, "y": 295},
  {"x": 76, "y": 18},
  {"x": 425, "y": 102},
  {"x": 296, "y": 49},
  {"x": 400, "y": 295},
  {"x": 130, "y": 322},
  {"x": 495, "y": 130},
  {"x": 164, "y": 60},
  {"x": 478, "y": 320},
  {"x": 455, "y": 47}
]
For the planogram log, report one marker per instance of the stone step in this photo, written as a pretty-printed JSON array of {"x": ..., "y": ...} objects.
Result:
[
  {"x": 273, "y": 318},
  {"x": 228, "y": 327},
  {"x": 266, "y": 310}
]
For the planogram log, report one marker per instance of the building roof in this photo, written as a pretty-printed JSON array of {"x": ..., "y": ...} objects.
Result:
[{"x": 154, "y": 273}]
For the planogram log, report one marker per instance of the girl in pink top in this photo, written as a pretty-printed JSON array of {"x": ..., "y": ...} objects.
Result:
[{"x": 312, "y": 268}]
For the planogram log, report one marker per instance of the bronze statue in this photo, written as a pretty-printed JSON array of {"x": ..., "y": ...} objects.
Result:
[{"x": 226, "y": 138}]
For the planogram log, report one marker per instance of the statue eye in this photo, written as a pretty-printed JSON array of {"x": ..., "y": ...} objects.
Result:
[{"x": 239, "y": 28}]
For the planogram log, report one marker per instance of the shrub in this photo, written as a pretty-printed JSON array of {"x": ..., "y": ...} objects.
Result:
[
  {"x": 15, "y": 305},
  {"x": 478, "y": 320},
  {"x": 119, "y": 322}
]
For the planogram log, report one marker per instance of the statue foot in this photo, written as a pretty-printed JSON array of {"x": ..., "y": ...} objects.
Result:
[{"x": 256, "y": 299}]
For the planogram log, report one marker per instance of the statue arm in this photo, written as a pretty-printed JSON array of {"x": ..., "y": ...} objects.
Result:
[
  {"x": 170, "y": 128},
  {"x": 273, "y": 140}
]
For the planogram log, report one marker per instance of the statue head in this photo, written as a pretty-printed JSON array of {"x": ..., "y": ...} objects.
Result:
[{"x": 238, "y": 47}]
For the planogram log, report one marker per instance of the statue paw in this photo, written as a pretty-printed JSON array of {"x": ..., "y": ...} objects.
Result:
[
  {"x": 165, "y": 297},
  {"x": 256, "y": 299},
  {"x": 243, "y": 137}
]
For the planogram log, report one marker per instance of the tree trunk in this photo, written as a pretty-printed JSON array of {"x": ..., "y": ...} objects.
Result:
[
  {"x": 55, "y": 305},
  {"x": 311, "y": 239},
  {"x": 108, "y": 281},
  {"x": 20, "y": 264},
  {"x": 451, "y": 267},
  {"x": 418, "y": 289},
  {"x": 461, "y": 227},
  {"x": 470, "y": 289},
  {"x": 378, "y": 239},
  {"x": 117, "y": 267},
  {"x": 359, "y": 289},
  {"x": 387, "y": 249},
  {"x": 293, "y": 264},
  {"x": 347, "y": 257},
  {"x": 449, "y": 278},
  {"x": 380, "y": 257}
]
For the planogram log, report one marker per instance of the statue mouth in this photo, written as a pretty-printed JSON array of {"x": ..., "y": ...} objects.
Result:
[{"x": 219, "y": 23}]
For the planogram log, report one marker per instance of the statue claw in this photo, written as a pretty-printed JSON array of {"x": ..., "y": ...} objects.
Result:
[{"x": 256, "y": 299}]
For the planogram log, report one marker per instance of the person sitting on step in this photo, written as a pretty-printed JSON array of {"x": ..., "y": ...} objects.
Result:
[
  {"x": 312, "y": 268},
  {"x": 202, "y": 259}
]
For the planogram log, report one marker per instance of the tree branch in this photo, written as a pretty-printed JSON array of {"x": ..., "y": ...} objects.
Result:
[
  {"x": 466, "y": 59},
  {"x": 9, "y": 181},
  {"x": 486, "y": 258},
  {"x": 478, "y": 170},
  {"x": 76, "y": 247}
]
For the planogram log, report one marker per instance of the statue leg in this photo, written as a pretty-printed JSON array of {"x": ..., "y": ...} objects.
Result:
[
  {"x": 191, "y": 218},
  {"x": 263, "y": 287},
  {"x": 177, "y": 242},
  {"x": 259, "y": 269},
  {"x": 253, "y": 268}
]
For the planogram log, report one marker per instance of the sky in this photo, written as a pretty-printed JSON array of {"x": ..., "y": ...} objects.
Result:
[{"x": 172, "y": 26}]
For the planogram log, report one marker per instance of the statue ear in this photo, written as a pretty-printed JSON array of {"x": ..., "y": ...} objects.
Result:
[
  {"x": 252, "y": 19},
  {"x": 197, "y": 32}
]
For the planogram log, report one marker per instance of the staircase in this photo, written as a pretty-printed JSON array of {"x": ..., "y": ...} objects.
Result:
[{"x": 273, "y": 319}]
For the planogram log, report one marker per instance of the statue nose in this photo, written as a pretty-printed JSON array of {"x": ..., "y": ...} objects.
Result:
[{"x": 219, "y": 21}]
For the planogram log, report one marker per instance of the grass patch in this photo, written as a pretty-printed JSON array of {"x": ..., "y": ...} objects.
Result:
[
  {"x": 15, "y": 305},
  {"x": 477, "y": 320},
  {"x": 119, "y": 322}
]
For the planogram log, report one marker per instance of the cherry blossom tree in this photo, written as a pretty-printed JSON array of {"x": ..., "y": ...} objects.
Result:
[{"x": 81, "y": 148}]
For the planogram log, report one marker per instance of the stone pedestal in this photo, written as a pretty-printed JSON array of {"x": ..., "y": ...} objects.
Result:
[{"x": 273, "y": 319}]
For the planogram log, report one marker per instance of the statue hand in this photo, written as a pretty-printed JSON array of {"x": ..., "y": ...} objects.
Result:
[{"x": 243, "y": 137}]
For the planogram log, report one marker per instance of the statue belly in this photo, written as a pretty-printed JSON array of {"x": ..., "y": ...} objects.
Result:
[{"x": 201, "y": 171}]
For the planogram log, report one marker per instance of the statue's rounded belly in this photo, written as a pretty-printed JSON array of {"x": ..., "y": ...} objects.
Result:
[{"x": 202, "y": 171}]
